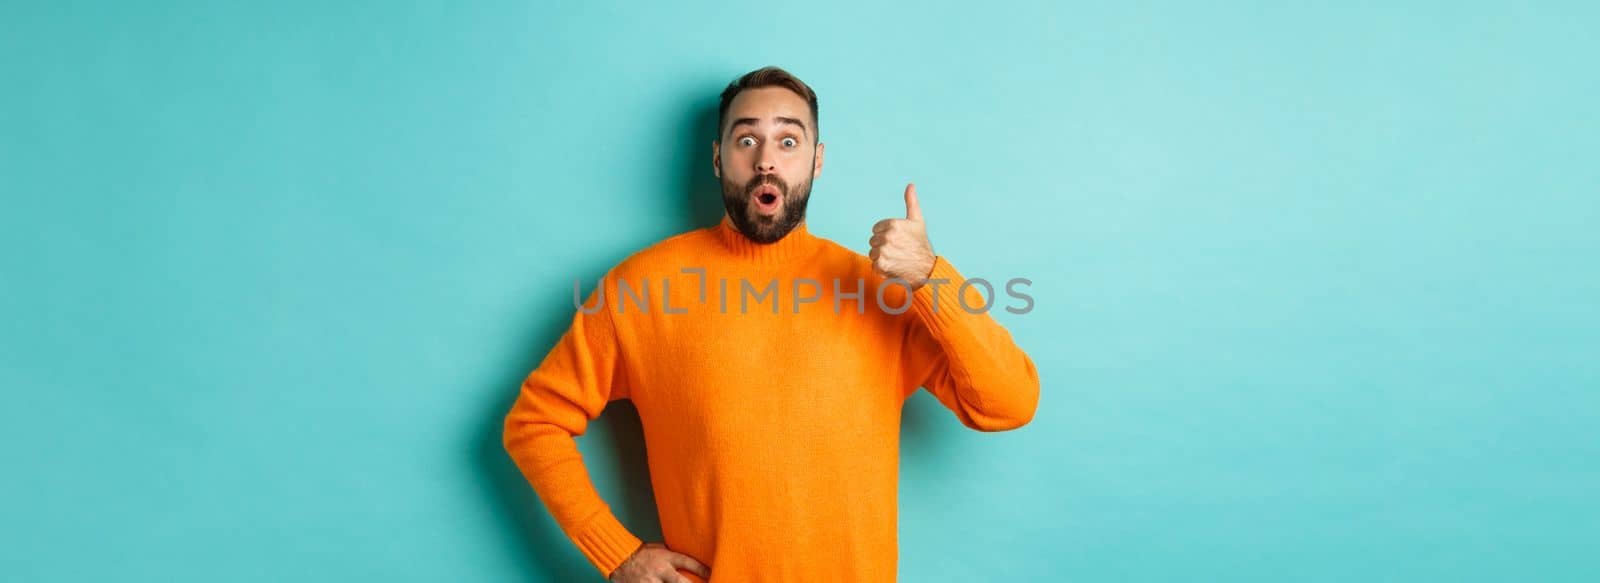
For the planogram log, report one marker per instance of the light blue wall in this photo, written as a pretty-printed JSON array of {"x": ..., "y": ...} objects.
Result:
[{"x": 1316, "y": 286}]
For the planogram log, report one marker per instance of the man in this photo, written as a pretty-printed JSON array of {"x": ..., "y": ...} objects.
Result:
[{"x": 769, "y": 368}]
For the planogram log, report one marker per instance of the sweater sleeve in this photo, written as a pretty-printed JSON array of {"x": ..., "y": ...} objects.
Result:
[
  {"x": 557, "y": 400},
  {"x": 968, "y": 361}
]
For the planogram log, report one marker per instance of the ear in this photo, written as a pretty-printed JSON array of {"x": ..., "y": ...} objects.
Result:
[
  {"x": 716, "y": 158},
  {"x": 816, "y": 167}
]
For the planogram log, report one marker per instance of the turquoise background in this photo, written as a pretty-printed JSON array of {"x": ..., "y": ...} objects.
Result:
[{"x": 1316, "y": 285}]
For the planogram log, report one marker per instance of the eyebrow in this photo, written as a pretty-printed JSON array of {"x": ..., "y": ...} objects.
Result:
[{"x": 753, "y": 121}]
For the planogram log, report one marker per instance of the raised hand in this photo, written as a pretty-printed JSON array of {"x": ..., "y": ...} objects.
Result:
[{"x": 900, "y": 247}]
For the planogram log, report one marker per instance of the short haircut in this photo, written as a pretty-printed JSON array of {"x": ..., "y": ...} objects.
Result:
[{"x": 768, "y": 77}]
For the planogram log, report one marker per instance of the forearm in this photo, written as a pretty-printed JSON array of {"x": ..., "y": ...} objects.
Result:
[
  {"x": 548, "y": 457},
  {"x": 984, "y": 376}
]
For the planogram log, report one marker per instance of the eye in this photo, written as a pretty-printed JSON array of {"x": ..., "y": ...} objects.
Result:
[
  {"x": 790, "y": 143},
  {"x": 747, "y": 141}
]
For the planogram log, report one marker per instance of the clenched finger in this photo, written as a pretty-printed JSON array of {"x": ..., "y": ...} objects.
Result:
[{"x": 689, "y": 564}]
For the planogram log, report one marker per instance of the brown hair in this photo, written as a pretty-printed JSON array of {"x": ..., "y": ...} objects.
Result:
[{"x": 768, "y": 76}]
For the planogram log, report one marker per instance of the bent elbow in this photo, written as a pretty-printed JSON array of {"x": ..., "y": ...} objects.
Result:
[
  {"x": 995, "y": 423},
  {"x": 1011, "y": 413},
  {"x": 509, "y": 434}
]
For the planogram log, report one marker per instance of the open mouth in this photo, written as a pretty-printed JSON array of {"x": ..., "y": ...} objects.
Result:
[{"x": 767, "y": 199}]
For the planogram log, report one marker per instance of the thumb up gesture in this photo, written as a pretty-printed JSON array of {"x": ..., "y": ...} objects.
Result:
[{"x": 900, "y": 247}]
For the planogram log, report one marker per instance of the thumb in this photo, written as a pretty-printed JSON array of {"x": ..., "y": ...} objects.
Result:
[{"x": 913, "y": 210}]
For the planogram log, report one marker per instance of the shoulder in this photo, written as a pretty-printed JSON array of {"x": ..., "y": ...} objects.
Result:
[{"x": 667, "y": 255}]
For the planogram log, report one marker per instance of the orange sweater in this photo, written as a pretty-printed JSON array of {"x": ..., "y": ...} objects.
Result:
[{"x": 771, "y": 426}]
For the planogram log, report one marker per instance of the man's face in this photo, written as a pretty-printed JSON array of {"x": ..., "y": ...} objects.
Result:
[{"x": 766, "y": 159}]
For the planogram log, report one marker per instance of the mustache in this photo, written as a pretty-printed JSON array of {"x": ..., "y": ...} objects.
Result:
[{"x": 772, "y": 179}]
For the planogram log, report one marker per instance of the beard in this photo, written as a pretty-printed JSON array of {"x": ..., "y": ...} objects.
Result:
[{"x": 756, "y": 226}]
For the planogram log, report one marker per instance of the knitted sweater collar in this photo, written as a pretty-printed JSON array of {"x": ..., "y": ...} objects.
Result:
[{"x": 798, "y": 244}]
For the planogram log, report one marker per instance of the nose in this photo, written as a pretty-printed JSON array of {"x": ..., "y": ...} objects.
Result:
[{"x": 766, "y": 161}]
